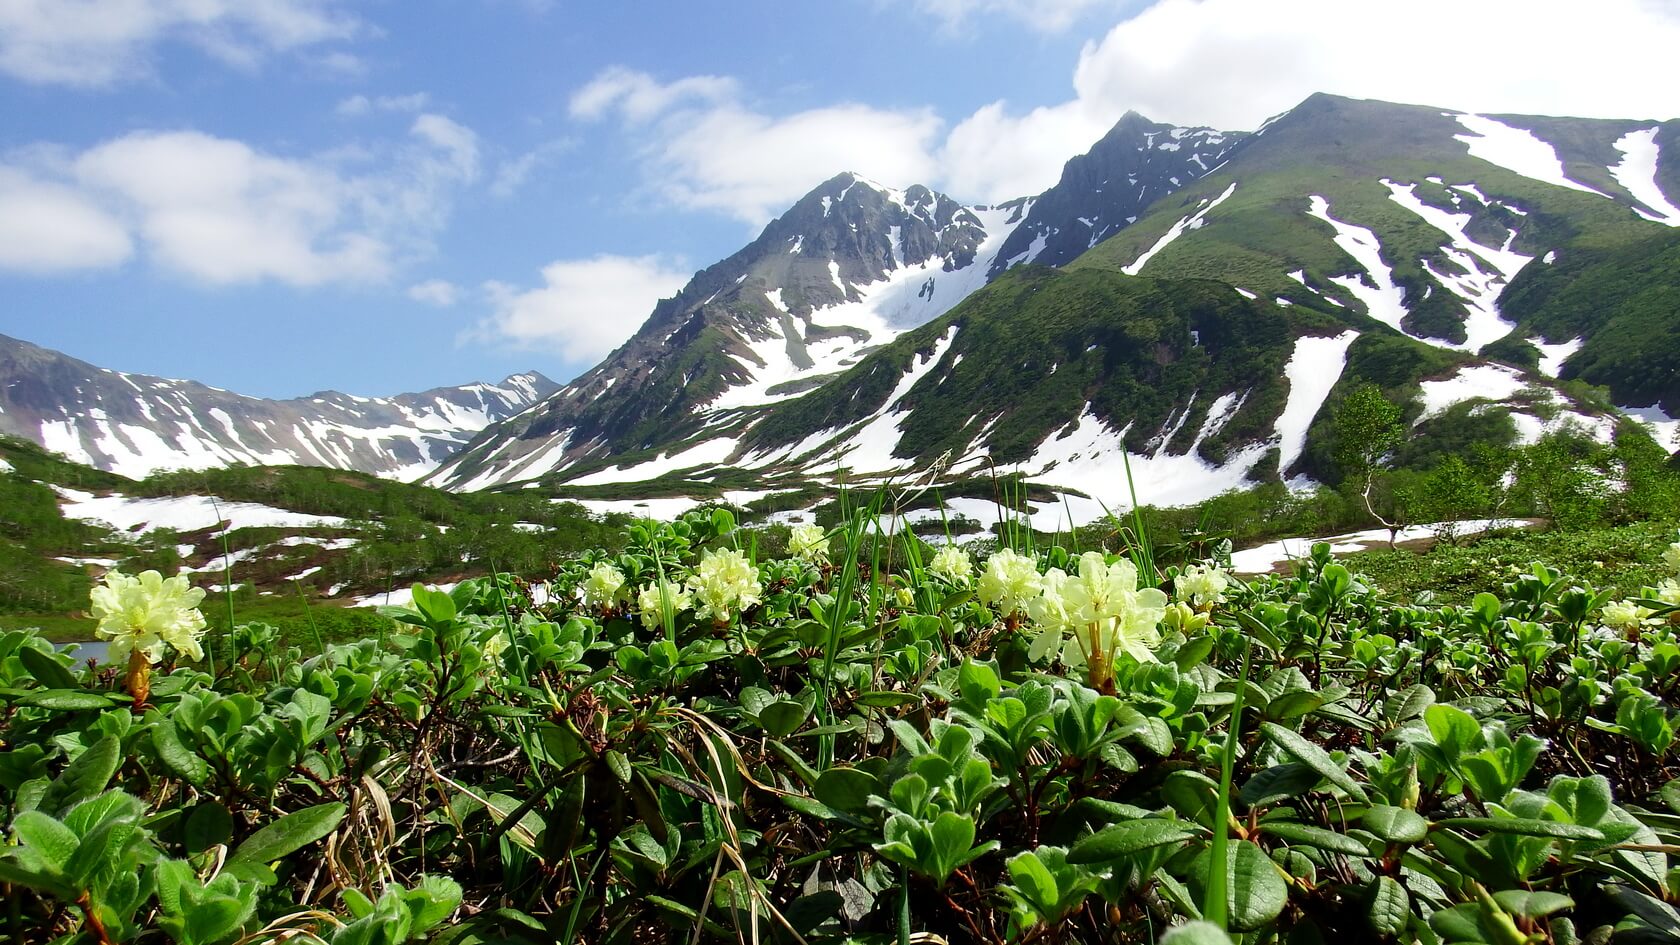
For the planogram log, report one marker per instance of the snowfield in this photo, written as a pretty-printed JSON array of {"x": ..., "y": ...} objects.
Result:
[{"x": 182, "y": 513}]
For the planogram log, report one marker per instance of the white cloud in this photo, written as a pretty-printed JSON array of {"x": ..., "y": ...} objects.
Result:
[
  {"x": 435, "y": 292},
  {"x": 1049, "y": 16},
  {"x": 639, "y": 97},
  {"x": 47, "y": 227},
  {"x": 1233, "y": 63},
  {"x": 723, "y": 155},
  {"x": 585, "y": 307},
  {"x": 357, "y": 105},
  {"x": 512, "y": 173},
  {"x": 221, "y": 212},
  {"x": 96, "y": 43}
]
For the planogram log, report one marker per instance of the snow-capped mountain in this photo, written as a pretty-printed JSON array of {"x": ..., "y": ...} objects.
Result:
[
  {"x": 134, "y": 424},
  {"x": 849, "y": 267},
  {"x": 1206, "y": 330},
  {"x": 1109, "y": 187}
]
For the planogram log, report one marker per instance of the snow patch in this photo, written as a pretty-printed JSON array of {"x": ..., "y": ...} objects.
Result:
[
  {"x": 1312, "y": 370},
  {"x": 1552, "y": 357},
  {"x": 1637, "y": 171},
  {"x": 1491, "y": 381},
  {"x": 1191, "y": 222},
  {"x": 1517, "y": 150},
  {"x": 1383, "y": 300},
  {"x": 182, "y": 513}
]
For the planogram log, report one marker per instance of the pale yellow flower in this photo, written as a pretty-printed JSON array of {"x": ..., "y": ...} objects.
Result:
[
  {"x": 1010, "y": 581},
  {"x": 1669, "y": 592},
  {"x": 148, "y": 614},
  {"x": 809, "y": 543},
  {"x": 656, "y": 600},
  {"x": 953, "y": 564},
  {"x": 1201, "y": 586},
  {"x": 1625, "y": 614},
  {"x": 1671, "y": 556},
  {"x": 1049, "y": 613},
  {"x": 1105, "y": 604},
  {"x": 724, "y": 584},
  {"x": 603, "y": 587}
]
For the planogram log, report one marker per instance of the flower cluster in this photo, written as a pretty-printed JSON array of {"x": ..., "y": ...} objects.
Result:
[
  {"x": 1671, "y": 556},
  {"x": 148, "y": 614},
  {"x": 952, "y": 564},
  {"x": 1010, "y": 581},
  {"x": 1625, "y": 614},
  {"x": 603, "y": 587},
  {"x": 725, "y": 583},
  {"x": 1107, "y": 613},
  {"x": 809, "y": 543},
  {"x": 662, "y": 598},
  {"x": 1201, "y": 585}
]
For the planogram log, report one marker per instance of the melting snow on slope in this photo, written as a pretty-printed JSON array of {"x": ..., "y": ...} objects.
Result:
[
  {"x": 1191, "y": 222},
  {"x": 1479, "y": 288},
  {"x": 1265, "y": 558},
  {"x": 708, "y": 453},
  {"x": 1384, "y": 301},
  {"x": 182, "y": 513},
  {"x": 1517, "y": 150},
  {"x": 1638, "y": 173},
  {"x": 909, "y": 296},
  {"x": 1664, "y": 428},
  {"x": 868, "y": 447},
  {"x": 1552, "y": 357},
  {"x": 1492, "y": 381},
  {"x": 1313, "y": 369}
]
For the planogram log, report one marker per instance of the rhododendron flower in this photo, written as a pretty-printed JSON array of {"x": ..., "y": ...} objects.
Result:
[
  {"x": 953, "y": 564},
  {"x": 1625, "y": 614},
  {"x": 1010, "y": 580},
  {"x": 1104, "y": 603},
  {"x": 1049, "y": 613},
  {"x": 809, "y": 543},
  {"x": 1669, "y": 592},
  {"x": 1201, "y": 586},
  {"x": 603, "y": 587},
  {"x": 657, "y": 600},
  {"x": 142, "y": 617},
  {"x": 724, "y": 584},
  {"x": 147, "y": 614},
  {"x": 1671, "y": 556}
]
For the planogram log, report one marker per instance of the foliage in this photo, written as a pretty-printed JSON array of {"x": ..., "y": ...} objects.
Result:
[{"x": 861, "y": 749}]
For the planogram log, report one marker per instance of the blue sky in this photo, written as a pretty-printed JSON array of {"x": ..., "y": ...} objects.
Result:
[{"x": 282, "y": 196}]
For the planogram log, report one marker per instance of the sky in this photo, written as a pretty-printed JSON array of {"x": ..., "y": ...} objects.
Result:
[{"x": 285, "y": 196}]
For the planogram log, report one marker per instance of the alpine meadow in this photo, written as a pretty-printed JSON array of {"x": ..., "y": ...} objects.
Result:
[{"x": 1263, "y": 531}]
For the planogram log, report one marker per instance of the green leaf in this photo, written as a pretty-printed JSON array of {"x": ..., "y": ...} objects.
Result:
[
  {"x": 846, "y": 789},
  {"x": 1307, "y": 835},
  {"x": 1196, "y": 933},
  {"x": 1313, "y": 757},
  {"x": 953, "y": 837},
  {"x": 1523, "y": 827},
  {"x": 166, "y": 741},
  {"x": 783, "y": 717},
  {"x": 1030, "y": 875},
  {"x": 1292, "y": 705},
  {"x": 86, "y": 776},
  {"x": 1409, "y": 703},
  {"x": 1386, "y": 906},
  {"x": 207, "y": 825},
  {"x": 1395, "y": 824},
  {"x": 46, "y": 669},
  {"x": 1124, "y": 839},
  {"x": 66, "y": 700},
  {"x": 619, "y": 765},
  {"x": 46, "y": 838},
  {"x": 1256, "y": 890},
  {"x": 1532, "y": 905},
  {"x": 288, "y": 834}
]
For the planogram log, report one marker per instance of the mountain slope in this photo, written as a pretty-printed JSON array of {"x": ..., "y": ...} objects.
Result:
[
  {"x": 1107, "y": 188},
  {"x": 1208, "y": 339},
  {"x": 1412, "y": 216},
  {"x": 847, "y": 268},
  {"x": 134, "y": 424}
]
